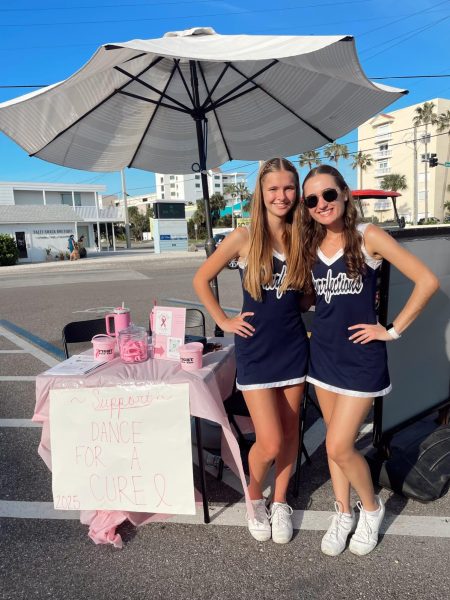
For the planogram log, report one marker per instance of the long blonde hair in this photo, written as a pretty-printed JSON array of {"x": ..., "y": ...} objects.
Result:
[
  {"x": 314, "y": 233},
  {"x": 259, "y": 260}
]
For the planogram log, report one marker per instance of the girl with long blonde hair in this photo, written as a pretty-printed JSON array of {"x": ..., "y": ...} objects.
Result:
[{"x": 270, "y": 337}]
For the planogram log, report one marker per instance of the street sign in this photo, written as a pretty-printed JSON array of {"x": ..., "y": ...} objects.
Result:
[{"x": 447, "y": 164}]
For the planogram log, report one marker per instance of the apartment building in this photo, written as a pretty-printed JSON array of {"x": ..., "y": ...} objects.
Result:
[
  {"x": 140, "y": 201},
  {"x": 394, "y": 143},
  {"x": 189, "y": 187}
]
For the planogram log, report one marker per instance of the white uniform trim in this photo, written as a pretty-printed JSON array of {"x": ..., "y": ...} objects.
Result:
[
  {"x": 374, "y": 263},
  {"x": 243, "y": 263},
  {"x": 274, "y": 384},
  {"x": 354, "y": 393}
]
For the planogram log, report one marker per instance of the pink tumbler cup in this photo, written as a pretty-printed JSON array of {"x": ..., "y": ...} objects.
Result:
[{"x": 122, "y": 320}]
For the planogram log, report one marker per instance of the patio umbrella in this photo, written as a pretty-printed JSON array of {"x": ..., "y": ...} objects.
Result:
[{"x": 195, "y": 99}]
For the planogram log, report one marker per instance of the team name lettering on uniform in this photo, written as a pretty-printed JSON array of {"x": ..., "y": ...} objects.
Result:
[
  {"x": 277, "y": 281},
  {"x": 330, "y": 286}
]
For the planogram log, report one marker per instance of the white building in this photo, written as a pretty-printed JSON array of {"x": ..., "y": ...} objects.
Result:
[
  {"x": 140, "y": 202},
  {"x": 189, "y": 187},
  {"x": 389, "y": 139},
  {"x": 41, "y": 216}
]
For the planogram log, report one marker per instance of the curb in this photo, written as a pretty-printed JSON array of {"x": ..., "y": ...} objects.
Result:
[{"x": 99, "y": 262}]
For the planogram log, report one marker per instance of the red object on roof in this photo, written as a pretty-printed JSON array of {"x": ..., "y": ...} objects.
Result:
[{"x": 363, "y": 194}]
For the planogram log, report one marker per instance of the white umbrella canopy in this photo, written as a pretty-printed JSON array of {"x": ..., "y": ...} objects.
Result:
[{"x": 195, "y": 99}]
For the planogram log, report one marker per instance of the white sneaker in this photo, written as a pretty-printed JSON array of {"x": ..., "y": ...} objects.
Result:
[
  {"x": 259, "y": 527},
  {"x": 280, "y": 517},
  {"x": 365, "y": 537},
  {"x": 335, "y": 539}
]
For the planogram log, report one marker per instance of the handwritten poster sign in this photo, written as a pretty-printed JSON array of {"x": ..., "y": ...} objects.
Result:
[{"x": 122, "y": 448}]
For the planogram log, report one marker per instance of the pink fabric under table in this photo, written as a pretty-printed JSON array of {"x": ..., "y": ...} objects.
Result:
[{"x": 208, "y": 387}]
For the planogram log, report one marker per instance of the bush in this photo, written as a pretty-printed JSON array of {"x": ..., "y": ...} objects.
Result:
[
  {"x": 9, "y": 253},
  {"x": 429, "y": 221}
]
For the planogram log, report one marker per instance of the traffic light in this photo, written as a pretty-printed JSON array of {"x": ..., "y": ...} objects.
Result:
[{"x": 433, "y": 161}]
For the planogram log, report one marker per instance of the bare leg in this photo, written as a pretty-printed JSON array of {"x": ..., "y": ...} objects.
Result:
[
  {"x": 346, "y": 419},
  {"x": 289, "y": 400},
  {"x": 264, "y": 411},
  {"x": 340, "y": 482}
]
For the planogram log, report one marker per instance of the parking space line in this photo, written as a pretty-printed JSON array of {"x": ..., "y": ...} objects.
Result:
[
  {"x": 13, "y": 352},
  {"x": 17, "y": 377},
  {"x": 234, "y": 516},
  {"x": 41, "y": 349},
  {"x": 19, "y": 423}
]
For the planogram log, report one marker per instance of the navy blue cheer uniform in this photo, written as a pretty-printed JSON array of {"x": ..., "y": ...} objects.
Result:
[
  {"x": 336, "y": 363},
  {"x": 277, "y": 353}
]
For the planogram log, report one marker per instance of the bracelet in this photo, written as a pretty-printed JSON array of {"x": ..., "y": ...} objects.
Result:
[{"x": 392, "y": 331}]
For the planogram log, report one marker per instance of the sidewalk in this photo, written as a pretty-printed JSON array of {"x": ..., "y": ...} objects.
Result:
[{"x": 99, "y": 260}]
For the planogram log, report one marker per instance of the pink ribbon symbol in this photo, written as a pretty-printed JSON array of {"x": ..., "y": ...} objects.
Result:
[
  {"x": 163, "y": 321},
  {"x": 160, "y": 482}
]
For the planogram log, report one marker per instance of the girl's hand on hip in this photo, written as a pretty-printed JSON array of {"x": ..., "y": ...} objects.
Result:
[
  {"x": 367, "y": 333},
  {"x": 238, "y": 325}
]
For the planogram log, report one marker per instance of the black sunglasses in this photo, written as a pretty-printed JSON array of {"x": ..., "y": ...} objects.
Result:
[{"x": 329, "y": 195}]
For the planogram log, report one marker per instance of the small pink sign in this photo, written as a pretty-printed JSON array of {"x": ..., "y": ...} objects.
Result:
[{"x": 168, "y": 329}]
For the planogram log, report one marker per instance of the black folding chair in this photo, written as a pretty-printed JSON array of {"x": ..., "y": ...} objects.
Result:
[
  {"x": 195, "y": 319},
  {"x": 307, "y": 399},
  {"x": 77, "y": 332}
]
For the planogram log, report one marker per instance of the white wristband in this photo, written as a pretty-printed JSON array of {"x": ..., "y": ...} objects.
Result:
[{"x": 392, "y": 332}]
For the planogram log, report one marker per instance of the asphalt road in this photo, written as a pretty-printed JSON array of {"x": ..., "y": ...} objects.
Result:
[{"x": 48, "y": 555}]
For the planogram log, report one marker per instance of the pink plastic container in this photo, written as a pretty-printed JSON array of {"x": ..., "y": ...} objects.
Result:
[
  {"x": 104, "y": 346},
  {"x": 191, "y": 356}
]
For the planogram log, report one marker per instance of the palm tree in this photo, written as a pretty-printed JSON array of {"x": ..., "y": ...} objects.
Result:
[
  {"x": 425, "y": 115},
  {"x": 217, "y": 203},
  {"x": 394, "y": 182},
  {"x": 237, "y": 190},
  {"x": 361, "y": 161},
  {"x": 443, "y": 124},
  {"x": 310, "y": 158},
  {"x": 335, "y": 151}
]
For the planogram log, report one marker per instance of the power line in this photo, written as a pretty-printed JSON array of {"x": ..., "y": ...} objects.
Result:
[
  {"x": 144, "y": 5},
  {"x": 174, "y": 17},
  {"x": 408, "y": 35},
  {"x": 408, "y": 77}
]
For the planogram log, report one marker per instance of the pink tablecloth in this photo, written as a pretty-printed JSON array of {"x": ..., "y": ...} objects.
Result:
[{"x": 208, "y": 387}]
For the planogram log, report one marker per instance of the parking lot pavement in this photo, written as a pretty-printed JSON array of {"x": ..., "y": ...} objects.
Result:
[{"x": 46, "y": 553}]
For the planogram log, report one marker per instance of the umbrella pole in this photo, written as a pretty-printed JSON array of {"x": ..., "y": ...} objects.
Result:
[
  {"x": 200, "y": 122},
  {"x": 210, "y": 245}
]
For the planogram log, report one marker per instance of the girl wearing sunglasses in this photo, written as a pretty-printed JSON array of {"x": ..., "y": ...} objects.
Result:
[
  {"x": 348, "y": 360},
  {"x": 270, "y": 338}
]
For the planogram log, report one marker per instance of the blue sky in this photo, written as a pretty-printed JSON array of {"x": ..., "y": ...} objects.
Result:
[{"x": 47, "y": 41}]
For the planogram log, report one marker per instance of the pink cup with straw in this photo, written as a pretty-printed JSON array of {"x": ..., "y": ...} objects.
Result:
[
  {"x": 191, "y": 356},
  {"x": 104, "y": 346}
]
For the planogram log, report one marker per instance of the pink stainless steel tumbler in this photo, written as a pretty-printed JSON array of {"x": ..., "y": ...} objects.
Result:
[{"x": 122, "y": 320}]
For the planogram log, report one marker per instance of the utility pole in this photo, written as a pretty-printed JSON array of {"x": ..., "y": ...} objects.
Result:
[
  {"x": 415, "y": 191},
  {"x": 426, "y": 139},
  {"x": 125, "y": 208}
]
